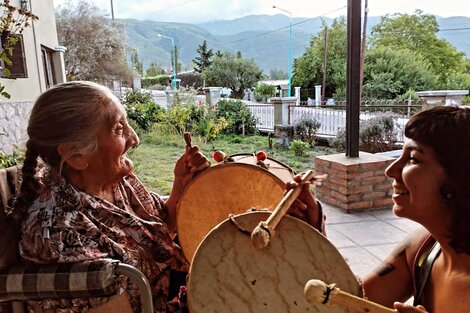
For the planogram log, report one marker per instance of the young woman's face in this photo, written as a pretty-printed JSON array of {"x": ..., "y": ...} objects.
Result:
[
  {"x": 417, "y": 180},
  {"x": 110, "y": 163}
]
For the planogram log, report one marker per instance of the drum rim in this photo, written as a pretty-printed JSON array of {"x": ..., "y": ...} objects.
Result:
[{"x": 269, "y": 158}]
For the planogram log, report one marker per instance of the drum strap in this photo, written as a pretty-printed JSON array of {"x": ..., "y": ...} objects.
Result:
[{"x": 423, "y": 269}]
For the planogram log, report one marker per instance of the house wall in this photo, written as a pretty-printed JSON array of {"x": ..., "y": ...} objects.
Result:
[
  {"x": 14, "y": 112},
  {"x": 42, "y": 32}
]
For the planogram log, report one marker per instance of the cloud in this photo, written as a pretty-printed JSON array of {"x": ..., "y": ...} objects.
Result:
[{"x": 199, "y": 11}]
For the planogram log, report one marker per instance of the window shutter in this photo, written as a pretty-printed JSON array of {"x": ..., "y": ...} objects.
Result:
[{"x": 18, "y": 58}]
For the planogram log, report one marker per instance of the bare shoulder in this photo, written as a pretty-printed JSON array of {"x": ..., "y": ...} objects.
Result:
[
  {"x": 392, "y": 279},
  {"x": 413, "y": 243}
]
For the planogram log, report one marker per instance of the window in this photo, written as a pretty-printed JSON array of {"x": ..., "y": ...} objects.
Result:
[
  {"x": 18, "y": 59},
  {"x": 48, "y": 65}
]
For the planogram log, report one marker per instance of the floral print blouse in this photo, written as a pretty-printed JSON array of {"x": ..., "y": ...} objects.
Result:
[{"x": 67, "y": 225}]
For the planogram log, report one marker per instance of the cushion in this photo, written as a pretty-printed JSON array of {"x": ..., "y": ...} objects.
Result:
[
  {"x": 9, "y": 188},
  {"x": 84, "y": 279}
]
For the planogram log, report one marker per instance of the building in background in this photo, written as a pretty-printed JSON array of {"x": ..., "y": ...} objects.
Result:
[{"x": 37, "y": 64}]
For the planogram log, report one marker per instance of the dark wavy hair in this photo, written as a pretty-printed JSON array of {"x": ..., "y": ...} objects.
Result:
[{"x": 446, "y": 129}]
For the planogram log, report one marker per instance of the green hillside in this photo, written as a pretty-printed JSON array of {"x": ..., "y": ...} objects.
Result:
[{"x": 263, "y": 38}]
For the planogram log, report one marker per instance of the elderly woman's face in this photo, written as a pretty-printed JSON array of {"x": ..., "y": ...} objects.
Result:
[
  {"x": 110, "y": 164},
  {"x": 417, "y": 180}
]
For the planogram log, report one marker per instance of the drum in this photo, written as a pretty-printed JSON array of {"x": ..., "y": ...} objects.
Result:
[
  {"x": 229, "y": 274},
  {"x": 223, "y": 189},
  {"x": 279, "y": 169}
]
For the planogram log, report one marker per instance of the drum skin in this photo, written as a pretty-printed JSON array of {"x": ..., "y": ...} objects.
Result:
[
  {"x": 228, "y": 274},
  {"x": 221, "y": 190}
]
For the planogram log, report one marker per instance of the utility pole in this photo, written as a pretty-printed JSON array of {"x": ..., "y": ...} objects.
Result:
[
  {"x": 112, "y": 10},
  {"x": 364, "y": 46},
  {"x": 325, "y": 58}
]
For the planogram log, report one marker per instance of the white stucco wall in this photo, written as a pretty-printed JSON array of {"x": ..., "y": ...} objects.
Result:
[{"x": 42, "y": 32}]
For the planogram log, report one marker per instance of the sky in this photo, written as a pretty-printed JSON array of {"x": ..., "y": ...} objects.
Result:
[{"x": 200, "y": 11}]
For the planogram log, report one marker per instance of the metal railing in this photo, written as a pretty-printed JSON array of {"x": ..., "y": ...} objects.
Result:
[
  {"x": 332, "y": 117},
  {"x": 265, "y": 116}
]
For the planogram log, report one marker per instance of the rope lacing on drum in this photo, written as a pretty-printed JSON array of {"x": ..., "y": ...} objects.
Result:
[
  {"x": 234, "y": 222},
  {"x": 329, "y": 289}
]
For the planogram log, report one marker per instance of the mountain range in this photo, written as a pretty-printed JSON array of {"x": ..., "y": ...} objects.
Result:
[{"x": 263, "y": 38}]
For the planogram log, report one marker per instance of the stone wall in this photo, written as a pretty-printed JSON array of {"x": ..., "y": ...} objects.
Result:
[
  {"x": 13, "y": 123},
  {"x": 355, "y": 184}
]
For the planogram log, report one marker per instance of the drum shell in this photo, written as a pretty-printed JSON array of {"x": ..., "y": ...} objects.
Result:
[{"x": 221, "y": 190}]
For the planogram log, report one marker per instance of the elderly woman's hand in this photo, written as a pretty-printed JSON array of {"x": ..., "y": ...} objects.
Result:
[
  {"x": 306, "y": 207},
  {"x": 191, "y": 162},
  {"x": 406, "y": 308}
]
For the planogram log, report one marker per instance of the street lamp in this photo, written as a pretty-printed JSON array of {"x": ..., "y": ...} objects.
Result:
[
  {"x": 289, "y": 69},
  {"x": 174, "y": 57}
]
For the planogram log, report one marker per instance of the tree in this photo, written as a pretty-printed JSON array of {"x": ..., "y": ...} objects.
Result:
[
  {"x": 203, "y": 60},
  {"x": 136, "y": 62},
  {"x": 178, "y": 64},
  {"x": 13, "y": 21},
  {"x": 418, "y": 33},
  {"x": 277, "y": 74},
  {"x": 154, "y": 70},
  {"x": 95, "y": 46},
  {"x": 389, "y": 73},
  {"x": 308, "y": 69},
  {"x": 232, "y": 72},
  {"x": 264, "y": 91}
]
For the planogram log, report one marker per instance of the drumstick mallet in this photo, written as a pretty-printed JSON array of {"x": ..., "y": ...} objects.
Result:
[
  {"x": 262, "y": 233},
  {"x": 318, "y": 292},
  {"x": 187, "y": 139}
]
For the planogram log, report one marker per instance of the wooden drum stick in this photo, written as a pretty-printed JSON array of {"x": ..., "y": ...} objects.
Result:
[
  {"x": 262, "y": 233},
  {"x": 187, "y": 139},
  {"x": 317, "y": 292}
]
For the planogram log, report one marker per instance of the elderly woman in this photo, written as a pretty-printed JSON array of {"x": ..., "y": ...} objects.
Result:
[{"x": 85, "y": 202}]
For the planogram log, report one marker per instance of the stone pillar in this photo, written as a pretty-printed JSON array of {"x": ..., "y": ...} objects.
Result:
[
  {"x": 297, "y": 95},
  {"x": 441, "y": 97},
  {"x": 283, "y": 132},
  {"x": 59, "y": 63},
  {"x": 355, "y": 184},
  {"x": 317, "y": 95},
  {"x": 212, "y": 95}
]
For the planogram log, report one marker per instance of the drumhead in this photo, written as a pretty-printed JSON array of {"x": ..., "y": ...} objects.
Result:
[
  {"x": 278, "y": 168},
  {"x": 228, "y": 274},
  {"x": 221, "y": 190}
]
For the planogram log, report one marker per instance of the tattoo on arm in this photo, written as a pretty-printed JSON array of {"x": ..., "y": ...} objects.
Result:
[
  {"x": 385, "y": 269},
  {"x": 399, "y": 251}
]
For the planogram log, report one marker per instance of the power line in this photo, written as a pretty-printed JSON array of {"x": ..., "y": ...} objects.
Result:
[
  {"x": 281, "y": 28},
  {"x": 453, "y": 29}
]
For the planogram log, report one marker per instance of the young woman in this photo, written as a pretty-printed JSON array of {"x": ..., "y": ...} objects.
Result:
[{"x": 431, "y": 186}]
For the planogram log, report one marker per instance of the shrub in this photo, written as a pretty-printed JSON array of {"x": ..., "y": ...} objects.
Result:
[
  {"x": 377, "y": 134},
  {"x": 142, "y": 109},
  {"x": 306, "y": 129},
  {"x": 163, "y": 80},
  {"x": 299, "y": 147},
  {"x": 7, "y": 160},
  {"x": 240, "y": 120},
  {"x": 193, "y": 80}
]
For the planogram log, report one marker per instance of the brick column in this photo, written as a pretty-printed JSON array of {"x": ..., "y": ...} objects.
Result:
[{"x": 355, "y": 184}]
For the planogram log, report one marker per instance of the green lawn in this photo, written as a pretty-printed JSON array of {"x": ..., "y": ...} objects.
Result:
[{"x": 154, "y": 159}]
